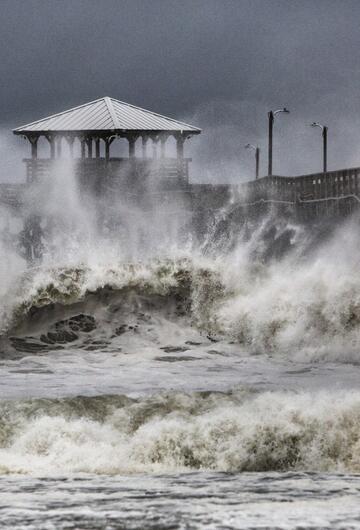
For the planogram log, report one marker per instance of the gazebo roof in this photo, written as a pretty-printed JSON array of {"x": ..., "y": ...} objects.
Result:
[{"x": 106, "y": 115}]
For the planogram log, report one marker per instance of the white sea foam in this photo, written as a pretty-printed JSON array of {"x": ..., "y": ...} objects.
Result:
[{"x": 178, "y": 432}]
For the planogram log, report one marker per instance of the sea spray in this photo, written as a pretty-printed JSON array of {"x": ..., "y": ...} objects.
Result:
[{"x": 272, "y": 287}]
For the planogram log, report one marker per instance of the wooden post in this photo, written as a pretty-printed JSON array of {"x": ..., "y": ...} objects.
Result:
[
  {"x": 108, "y": 142},
  {"x": 34, "y": 149},
  {"x": 338, "y": 193},
  {"x": 356, "y": 190},
  {"x": 131, "y": 141},
  {"x": 97, "y": 147},
  {"x": 89, "y": 146},
  {"x": 59, "y": 142},
  {"x": 154, "y": 146},
  {"x": 70, "y": 141},
  {"x": 180, "y": 140},
  {"x": 33, "y": 140},
  {"x": 51, "y": 141},
  {"x": 144, "y": 140},
  {"x": 82, "y": 141},
  {"x": 162, "y": 146},
  {"x": 257, "y": 162},
  {"x": 180, "y": 147}
]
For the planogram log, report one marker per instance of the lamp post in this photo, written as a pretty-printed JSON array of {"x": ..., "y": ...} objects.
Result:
[
  {"x": 257, "y": 157},
  {"x": 324, "y": 130},
  {"x": 271, "y": 116}
]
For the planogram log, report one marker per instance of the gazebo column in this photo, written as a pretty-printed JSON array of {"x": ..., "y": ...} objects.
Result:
[
  {"x": 155, "y": 140},
  {"x": 107, "y": 149},
  {"x": 162, "y": 146},
  {"x": 52, "y": 148},
  {"x": 89, "y": 146},
  {"x": 131, "y": 140},
  {"x": 34, "y": 141},
  {"x": 31, "y": 168},
  {"x": 144, "y": 141},
  {"x": 70, "y": 140},
  {"x": 108, "y": 142},
  {"x": 59, "y": 146},
  {"x": 97, "y": 147},
  {"x": 50, "y": 138},
  {"x": 180, "y": 140},
  {"x": 82, "y": 143},
  {"x": 32, "y": 227}
]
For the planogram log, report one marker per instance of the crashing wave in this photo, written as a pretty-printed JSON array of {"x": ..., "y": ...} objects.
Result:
[
  {"x": 55, "y": 305},
  {"x": 302, "y": 305},
  {"x": 179, "y": 432}
]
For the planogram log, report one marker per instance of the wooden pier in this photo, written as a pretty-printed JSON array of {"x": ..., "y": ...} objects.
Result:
[{"x": 80, "y": 141}]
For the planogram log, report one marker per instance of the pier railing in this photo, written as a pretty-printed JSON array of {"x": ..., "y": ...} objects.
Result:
[
  {"x": 335, "y": 193},
  {"x": 314, "y": 187}
]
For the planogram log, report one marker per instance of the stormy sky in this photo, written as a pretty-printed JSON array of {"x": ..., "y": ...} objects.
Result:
[{"x": 218, "y": 64}]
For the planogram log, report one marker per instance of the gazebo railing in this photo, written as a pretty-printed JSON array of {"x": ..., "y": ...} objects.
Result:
[{"x": 168, "y": 168}]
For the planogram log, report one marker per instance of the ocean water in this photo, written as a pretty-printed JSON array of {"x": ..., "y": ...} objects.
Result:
[{"x": 154, "y": 381}]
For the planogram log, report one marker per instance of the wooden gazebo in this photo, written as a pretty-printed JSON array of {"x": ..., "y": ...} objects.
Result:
[{"x": 105, "y": 120}]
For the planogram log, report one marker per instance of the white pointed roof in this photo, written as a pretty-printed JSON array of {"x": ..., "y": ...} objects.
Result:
[{"x": 106, "y": 114}]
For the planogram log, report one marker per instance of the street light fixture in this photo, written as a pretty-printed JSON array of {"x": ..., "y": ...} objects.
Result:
[
  {"x": 271, "y": 116},
  {"x": 324, "y": 135},
  {"x": 257, "y": 157}
]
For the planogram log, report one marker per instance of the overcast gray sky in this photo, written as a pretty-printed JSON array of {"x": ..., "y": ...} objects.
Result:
[{"x": 220, "y": 64}]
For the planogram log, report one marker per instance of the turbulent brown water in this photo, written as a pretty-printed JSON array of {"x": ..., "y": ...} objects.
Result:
[{"x": 211, "y": 385}]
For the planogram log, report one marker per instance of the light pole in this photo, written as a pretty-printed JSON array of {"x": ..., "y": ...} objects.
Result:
[
  {"x": 257, "y": 157},
  {"x": 271, "y": 116},
  {"x": 324, "y": 135}
]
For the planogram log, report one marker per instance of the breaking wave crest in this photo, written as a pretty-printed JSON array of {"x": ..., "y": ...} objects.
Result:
[
  {"x": 238, "y": 431},
  {"x": 303, "y": 304},
  {"x": 108, "y": 295}
]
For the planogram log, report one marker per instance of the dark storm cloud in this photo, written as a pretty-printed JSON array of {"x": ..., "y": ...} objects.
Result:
[{"x": 222, "y": 63}]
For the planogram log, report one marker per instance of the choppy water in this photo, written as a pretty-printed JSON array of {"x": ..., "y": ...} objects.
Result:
[
  {"x": 214, "y": 388},
  {"x": 198, "y": 500}
]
